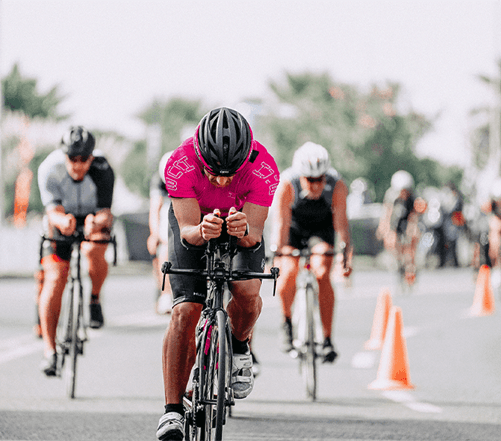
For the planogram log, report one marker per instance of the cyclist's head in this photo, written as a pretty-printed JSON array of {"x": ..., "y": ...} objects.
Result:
[
  {"x": 223, "y": 141},
  {"x": 77, "y": 141},
  {"x": 495, "y": 190},
  {"x": 402, "y": 180},
  {"x": 162, "y": 164},
  {"x": 311, "y": 160}
]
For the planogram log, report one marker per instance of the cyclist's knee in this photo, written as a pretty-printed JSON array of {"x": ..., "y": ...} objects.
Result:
[
  {"x": 289, "y": 268},
  {"x": 322, "y": 271},
  {"x": 94, "y": 251},
  {"x": 246, "y": 294},
  {"x": 185, "y": 316},
  {"x": 54, "y": 268}
]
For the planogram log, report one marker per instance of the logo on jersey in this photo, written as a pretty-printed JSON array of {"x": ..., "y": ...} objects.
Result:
[
  {"x": 179, "y": 167},
  {"x": 175, "y": 171},
  {"x": 267, "y": 173}
]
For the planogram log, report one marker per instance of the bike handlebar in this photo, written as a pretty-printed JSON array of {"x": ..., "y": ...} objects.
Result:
[
  {"x": 79, "y": 237},
  {"x": 219, "y": 272}
]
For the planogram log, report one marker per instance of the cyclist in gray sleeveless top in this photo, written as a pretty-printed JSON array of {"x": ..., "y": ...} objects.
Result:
[
  {"x": 310, "y": 202},
  {"x": 76, "y": 188}
]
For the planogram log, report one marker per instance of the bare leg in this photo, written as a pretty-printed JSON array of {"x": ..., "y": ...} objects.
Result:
[
  {"x": 245, "y": 307},
  {"x": 55, "y": 276},
  {"x": 98, "y": 266},
  {"x": 178, "y": 352}
]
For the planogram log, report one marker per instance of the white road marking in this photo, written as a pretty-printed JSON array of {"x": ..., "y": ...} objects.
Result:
[
  {"x": 364, "y": 360},
  {"x": 408, "y": 400}
]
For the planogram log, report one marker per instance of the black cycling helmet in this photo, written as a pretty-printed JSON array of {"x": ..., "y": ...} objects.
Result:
[
  {"x": 78, "y": 141},
  {"x": 223, "y": 141}
]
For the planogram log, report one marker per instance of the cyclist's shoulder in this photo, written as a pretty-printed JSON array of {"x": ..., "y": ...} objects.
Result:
[
  {"x": 53, "y": 166},
  {"x": 100, "y": 163}
]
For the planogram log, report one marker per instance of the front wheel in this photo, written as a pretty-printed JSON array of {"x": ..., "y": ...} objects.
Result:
[
  {"x": 215, "y": 379},
  {"x": 75, "y": 343},
  {"x": 309, "y": 357}
]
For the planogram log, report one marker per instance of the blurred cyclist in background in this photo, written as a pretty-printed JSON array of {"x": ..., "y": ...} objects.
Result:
[
  {"x": 76, "y": 187},
  {"x": 398, "y": 226},
  {"x": 454, "y": 223},
  {"x": 158, "y": 221},
  {"x": 310, "y": 202},
  {"x": 494, "y": 208}
]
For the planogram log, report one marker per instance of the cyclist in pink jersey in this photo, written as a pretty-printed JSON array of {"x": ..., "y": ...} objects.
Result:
[{"x": 221, "y": 183}]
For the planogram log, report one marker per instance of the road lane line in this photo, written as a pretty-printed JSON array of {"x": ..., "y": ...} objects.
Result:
[
  {"x": 408, "y": 400},
  {"x": 364, "y": 360},
  {"x": 16, "y": 348}
]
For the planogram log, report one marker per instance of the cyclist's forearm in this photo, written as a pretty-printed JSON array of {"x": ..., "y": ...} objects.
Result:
[
  {"x": 193, "y": 235},
  {"x": 64, "y": 222}
]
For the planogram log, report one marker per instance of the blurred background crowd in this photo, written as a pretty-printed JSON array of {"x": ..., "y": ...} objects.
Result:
[{"x": 371, "y": 130}]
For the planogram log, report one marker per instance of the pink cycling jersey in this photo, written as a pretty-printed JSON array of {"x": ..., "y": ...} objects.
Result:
[{"x": 256, "y": 182}]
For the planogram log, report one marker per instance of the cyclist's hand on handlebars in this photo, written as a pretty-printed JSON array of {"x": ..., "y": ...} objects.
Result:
[
  {"x": 67, "y": 224},
  {"x": 236, "y": 223},
  {"x": 347, "y": 261},
  {"x": 211, "y": 225}
]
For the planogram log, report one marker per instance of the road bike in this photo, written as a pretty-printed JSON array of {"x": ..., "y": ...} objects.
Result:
[
  {"x": 306, "y": 323},
  {"x": 71, "y": 331},
  {"x": 207, "y": 404}
]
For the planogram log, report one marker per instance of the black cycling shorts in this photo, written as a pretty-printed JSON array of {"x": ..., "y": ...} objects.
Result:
[
  {"x": 299, "y": 239},
  {"x": 193, "y": 289},
  {"x": 60, "y": 249}
]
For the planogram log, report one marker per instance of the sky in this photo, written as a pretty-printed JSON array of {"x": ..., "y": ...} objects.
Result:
[{"x": 111, "y": 59}]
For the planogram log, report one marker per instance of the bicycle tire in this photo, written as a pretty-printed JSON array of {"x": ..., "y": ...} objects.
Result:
[
  {"x": 223, "y": 373},
  {"x": 63, "y": 332},
  {"x": 309, "y": 360},
  {"x": 76, "y": 310},
  {"x": 213, "y": 379}
]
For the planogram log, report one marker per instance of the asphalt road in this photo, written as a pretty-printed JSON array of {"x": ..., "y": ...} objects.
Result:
[{"x": 454, "y": 364}]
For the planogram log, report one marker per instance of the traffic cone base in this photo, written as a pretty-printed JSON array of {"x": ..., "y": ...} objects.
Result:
[
  {"x": 483, "y": 299},
  {"x": 380, "y": 321},
  {"x": 389, "y": 385},
  {"x": 393, "y": 371}
]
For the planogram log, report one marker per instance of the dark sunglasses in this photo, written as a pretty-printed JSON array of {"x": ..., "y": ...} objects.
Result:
[
  {"x": 80, "y": 158},
  {"x": 315, "y": 180}
]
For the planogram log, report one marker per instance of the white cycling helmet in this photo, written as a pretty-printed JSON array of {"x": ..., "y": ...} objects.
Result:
[
  {"x": 162, "y": 164},
  {"x": 495, "y": 190},
  {"x": 402, "y": 180},
  {"x": 311, "y": 160}
]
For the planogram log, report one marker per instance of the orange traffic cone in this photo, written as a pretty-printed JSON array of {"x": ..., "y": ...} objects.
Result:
[
  {"x": 380, "y": 321},
  {"x": 483, "y": 299},
  {"x": 393, "y": 371}
]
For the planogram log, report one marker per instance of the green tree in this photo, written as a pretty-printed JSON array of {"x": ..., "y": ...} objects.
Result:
[
  {"x": 21, "y": 95},
  {"x": 173, "y": 117},
  {"x": 364, "y": 132}
]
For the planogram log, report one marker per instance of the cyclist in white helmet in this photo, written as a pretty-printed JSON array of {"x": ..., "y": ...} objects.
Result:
[
  {"x": 158, "y": 221},
  {"x": 398, "y": 226},
  {"x": 310, "y": 202}
]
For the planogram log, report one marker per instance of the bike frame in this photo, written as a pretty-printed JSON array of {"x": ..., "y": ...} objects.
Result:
[
  {"x": 307, "y": 330},
  {"x": 72, "y": 329},
  {"x": 212, "y": 394}
]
